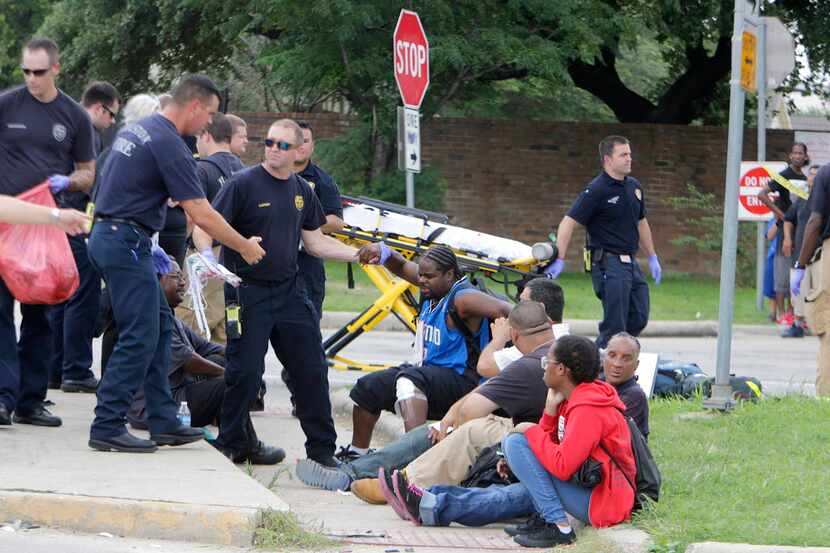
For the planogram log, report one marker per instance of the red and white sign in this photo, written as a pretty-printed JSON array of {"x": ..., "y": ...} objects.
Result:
[
  {"x": 753, "y": 179},
  {"x": 410, "y": 53}
]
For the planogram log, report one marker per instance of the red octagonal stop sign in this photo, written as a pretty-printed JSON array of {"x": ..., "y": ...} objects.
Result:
[{"x": 410, "y": 52}]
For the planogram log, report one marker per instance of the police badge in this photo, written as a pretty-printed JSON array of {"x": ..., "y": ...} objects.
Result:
[
  {"x": 299, "y": 202},
  {"x": 58, "y": 132}
]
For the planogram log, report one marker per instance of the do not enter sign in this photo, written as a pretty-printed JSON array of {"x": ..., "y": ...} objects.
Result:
[
  {"x": 410, "y": 52},
  {"x": 754, "y": 177}
]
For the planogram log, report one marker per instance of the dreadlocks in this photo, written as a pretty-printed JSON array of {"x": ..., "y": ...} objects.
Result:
[{"x": 444, "y": 259}]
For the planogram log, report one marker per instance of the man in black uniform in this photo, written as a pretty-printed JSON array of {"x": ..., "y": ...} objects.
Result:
[
  {"x": 271, "y": 201},
  {"x": 782, "y": 263},
  {"x": 215, "y": 166},
  {"x": 43, "y": 134},
  {"x": 73, "y": 321},
  {"x": 312, "y": 269},
  {"x": 613, "y": 211},
  {"x": 149, "y": 163},
  {"x": 239, "y": 137}
]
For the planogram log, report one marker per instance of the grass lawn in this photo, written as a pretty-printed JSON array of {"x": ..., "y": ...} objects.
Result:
[
  {"x": 677, "y": 298},
  {"x": 757, "y": 475}
]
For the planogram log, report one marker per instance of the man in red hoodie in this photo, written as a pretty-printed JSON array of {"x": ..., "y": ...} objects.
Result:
[{"x": 579, "y": 411}]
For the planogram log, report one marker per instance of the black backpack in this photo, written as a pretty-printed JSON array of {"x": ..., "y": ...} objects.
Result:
[
  {"x": 648, "y": 480},
  {"x": 482, "y": 472}
]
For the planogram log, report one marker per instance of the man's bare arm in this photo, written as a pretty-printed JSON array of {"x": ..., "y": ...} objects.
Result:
[
  {"x": 325, "y": 247},
  {"x": 763, "y": 195},
  {"x": 333, "y": 224},
  {"x": 564, "y": 233},
  {"x": 82, "y": 177}
]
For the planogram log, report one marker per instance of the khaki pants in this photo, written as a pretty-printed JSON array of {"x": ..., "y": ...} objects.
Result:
[
  {"x": 448, "y": 461},
  {"x": 816, "y": 291},
  {"x": 214, "y": 294}
]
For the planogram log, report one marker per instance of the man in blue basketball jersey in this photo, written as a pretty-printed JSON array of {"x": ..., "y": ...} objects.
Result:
[{"x": 453, "y": 328}]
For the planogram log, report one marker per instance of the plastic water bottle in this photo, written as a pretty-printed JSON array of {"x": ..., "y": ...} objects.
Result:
[{"x": 184, "y": 414}]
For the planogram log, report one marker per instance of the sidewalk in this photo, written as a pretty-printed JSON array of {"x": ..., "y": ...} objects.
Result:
[
  {"x": 51, "y": 477},
  {"x": 336, "y": 319}
]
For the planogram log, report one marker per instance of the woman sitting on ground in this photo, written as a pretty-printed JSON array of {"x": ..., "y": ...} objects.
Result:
[{"x": 583, "y": 418}]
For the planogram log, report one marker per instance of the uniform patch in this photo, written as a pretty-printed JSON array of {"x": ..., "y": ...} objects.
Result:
[
  {"x": 614, "y": 200},
  {"x": 638, "y": 193},
  {"x": 264, "y": 204},
  {"x": 58, "y": 132},
  {"x": 299, "y": 202},
  {"x": 311, "y": 184}
]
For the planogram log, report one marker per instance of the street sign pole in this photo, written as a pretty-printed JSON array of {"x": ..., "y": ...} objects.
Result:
[
  {"x": 760, "y": 242},
  {"x": 721, "y": 397}
]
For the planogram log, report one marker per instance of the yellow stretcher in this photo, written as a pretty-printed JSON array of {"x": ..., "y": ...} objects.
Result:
[{"x": 397, "y": 296}]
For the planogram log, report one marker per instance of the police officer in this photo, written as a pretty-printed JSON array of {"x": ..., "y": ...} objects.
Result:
[
  {"x": 149, "y": 163},
  {"x": 613, "y": 211},
  {"x": 312, "y": 269},
  {"x": 817, "y": 311},
  {"x": 272, "y": 201},
  {"x": 73, "y": 321},
  {"x": 43, "y": 134}
]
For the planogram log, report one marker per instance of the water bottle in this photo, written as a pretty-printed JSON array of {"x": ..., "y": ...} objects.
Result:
[{"x": 184, "y": 414}]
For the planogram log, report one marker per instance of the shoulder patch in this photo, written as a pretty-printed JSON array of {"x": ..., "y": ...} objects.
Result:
[{"x": 638, "y": 193}]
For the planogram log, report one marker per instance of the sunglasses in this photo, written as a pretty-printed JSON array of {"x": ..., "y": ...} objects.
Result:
[
  {"x": 280, "y": 144},
  {"x": 108, "y": 110},
  {"x": 35, "y": 72}
]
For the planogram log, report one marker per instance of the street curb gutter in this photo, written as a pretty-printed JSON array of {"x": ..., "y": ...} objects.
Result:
[{"x": 135, "y": 519}]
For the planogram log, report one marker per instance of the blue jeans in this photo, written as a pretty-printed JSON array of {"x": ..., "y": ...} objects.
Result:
[
  {"x": 624, "y": 294},
  {"x": 73, "y": 321},
  {"x": 538, "y": 491},
  {"x": 121, "y": 255},
  {"x": 396, "y": 455}
]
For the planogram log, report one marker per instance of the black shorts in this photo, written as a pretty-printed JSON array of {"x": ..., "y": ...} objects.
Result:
[{"x": 375, "y": 392}]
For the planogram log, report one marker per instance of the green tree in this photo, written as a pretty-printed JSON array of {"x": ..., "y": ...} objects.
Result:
[{"x": 18, "y": 22}]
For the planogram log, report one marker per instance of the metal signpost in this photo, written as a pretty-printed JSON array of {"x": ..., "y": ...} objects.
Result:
[{"x": 410, "y": 54}]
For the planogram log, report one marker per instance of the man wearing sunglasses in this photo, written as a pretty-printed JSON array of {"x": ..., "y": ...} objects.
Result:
[
  {"x": 271, "y": 201},
  {"x": 44, "y": 134},
  {"x": 73, "y": 321}
]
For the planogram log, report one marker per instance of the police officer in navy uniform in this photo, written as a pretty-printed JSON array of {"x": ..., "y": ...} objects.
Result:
[
  {"x": 270, "y": 200},
  {"x": 149, "y": 163},
  {"x": 613, "y": 211},
  {"x": 43, "y": 134},
  {"x": 312, "y": 269}
]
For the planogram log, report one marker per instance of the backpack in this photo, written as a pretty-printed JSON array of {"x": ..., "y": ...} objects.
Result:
[
  {"x": 482, "y": 472},
  {"x": 677, "y": 379},
  {"x": 648, "y": 480},
  {"x": 744, "y": 388}
]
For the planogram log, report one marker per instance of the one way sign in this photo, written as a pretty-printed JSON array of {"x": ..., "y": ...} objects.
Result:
[{"x": 409, "y": 140}]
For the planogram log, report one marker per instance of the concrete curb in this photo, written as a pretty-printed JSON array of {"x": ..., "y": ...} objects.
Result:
[
  {"x": 717, "y": 547},
  {"x": 333, "y": 320},
  {"x": 134, "y": 519}
]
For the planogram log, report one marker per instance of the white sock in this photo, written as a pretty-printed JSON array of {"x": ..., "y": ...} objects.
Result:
[
  {"x": 565, "y": 529},
  {"x": 359, "y": 450}
]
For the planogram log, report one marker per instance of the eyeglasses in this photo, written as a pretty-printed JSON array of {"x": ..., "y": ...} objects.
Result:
[
  {"x": 280, "y": 144},
  {"x": 108, "y": 110},
  {"x": 548, "y": 361},
  {"x": 35, "y": 72}
]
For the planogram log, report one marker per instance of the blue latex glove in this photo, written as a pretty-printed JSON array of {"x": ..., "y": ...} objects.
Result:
[
  {"x": 161, "y": 261},
  {"x": 58, "y": 183},
  {"x": 656, "y": 270},
  {"x": 385, "y": 252},
  {"x": 796, "y": 276},
  {"x": 553, "y": 270},
  {"x": 207, "y": 253}
]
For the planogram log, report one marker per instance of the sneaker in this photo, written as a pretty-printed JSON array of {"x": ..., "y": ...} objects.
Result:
[
  {"x": 311, "y": 473},
  {"x": 409, "y": 497},
  {"x": 795, "y": 331},
  {"x": 548, "y": 535},
  {"x": 529, "y": 526},
  {"x": 387, "y": 487},
  {"x": 346, "y": 454}
]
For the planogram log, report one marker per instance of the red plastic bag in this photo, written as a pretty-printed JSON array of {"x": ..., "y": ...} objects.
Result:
[{"x": 36, "y": 262}]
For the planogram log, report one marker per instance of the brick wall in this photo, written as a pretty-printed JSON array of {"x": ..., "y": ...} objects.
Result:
[{"x": 517, "y": 179}]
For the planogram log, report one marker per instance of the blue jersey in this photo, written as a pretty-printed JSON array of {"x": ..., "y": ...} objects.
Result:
[{"x": 440, "y": 345}]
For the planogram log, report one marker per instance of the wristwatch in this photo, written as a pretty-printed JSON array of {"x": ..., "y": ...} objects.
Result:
[{"x": 56, "y": 214}]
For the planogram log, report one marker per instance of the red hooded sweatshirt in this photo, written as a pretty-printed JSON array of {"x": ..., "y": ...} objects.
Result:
[{"x": 563, "y": 442}]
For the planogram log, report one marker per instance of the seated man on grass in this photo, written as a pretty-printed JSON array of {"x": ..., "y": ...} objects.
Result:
[
  {"x": 453, "y": 328},
  {"x": 583, "y": 417},
  {"x": 509, "y": 392}
]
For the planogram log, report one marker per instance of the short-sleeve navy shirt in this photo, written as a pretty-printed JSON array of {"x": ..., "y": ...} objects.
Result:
[
  {"x": 819, "y": 200},
  {"x": 610, "y": 211},
  {"x": 148, "y": 163},
  {"x": 39, "y": 139},
  {"x": 326, "y": 189},
  {"x": 215, "y": 170},
  {"x": 257, "y": 204}
]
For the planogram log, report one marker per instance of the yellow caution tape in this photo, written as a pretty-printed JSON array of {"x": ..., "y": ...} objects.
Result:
[
  {"x": 754, "y": 387},
  {"x": 797, "y": 190}
]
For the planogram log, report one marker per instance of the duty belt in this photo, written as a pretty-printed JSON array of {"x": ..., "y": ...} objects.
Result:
[{"x": 143, "y": 228}]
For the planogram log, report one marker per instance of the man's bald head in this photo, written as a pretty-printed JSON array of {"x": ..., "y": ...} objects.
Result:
[
  {"x": 528, "y": 318},
  {"x": 622, "y": 356}
]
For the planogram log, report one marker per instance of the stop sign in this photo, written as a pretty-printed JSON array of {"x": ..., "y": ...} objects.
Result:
[{"x": 410, "y": 52}]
